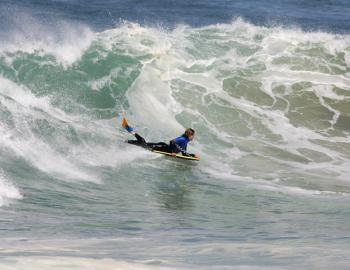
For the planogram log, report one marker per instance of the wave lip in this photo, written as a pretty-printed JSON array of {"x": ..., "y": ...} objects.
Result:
[{"x": 66, "y": 41}]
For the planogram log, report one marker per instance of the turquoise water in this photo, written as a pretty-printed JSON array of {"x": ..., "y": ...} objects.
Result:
[{"x": 270, "y": 106}]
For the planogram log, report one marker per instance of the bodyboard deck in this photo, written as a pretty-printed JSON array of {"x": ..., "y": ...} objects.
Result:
[{"x": 176, "y": 156}]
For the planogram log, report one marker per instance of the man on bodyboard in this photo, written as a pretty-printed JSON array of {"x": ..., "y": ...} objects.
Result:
[{"x": 175, "y": 146}]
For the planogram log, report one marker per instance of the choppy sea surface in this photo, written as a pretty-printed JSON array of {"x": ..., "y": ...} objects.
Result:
[{"x": 266, "y": 86}]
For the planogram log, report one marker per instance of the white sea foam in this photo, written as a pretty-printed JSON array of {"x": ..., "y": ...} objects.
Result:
[
  {"x": 76, "y": 162},
  {"x": 24, "y": 107},
  {"x": 75, "y": 263},
  {"x": 8, "y": 191},
  {"x": 64, "y": 40},
  {"x": 295, "y": 253}
]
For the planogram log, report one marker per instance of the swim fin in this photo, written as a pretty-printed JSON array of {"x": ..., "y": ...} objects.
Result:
[{"x": 125, "y": 125}]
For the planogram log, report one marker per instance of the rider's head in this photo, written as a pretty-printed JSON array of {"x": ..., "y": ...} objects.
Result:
[{"x": 189, "y": 133}]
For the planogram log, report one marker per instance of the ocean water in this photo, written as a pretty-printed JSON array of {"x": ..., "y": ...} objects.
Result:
[{"x": 266, "y": 86}]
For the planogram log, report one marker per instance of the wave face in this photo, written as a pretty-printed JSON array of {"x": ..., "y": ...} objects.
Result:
[
  {"x": 266, "y": 102},
  {"x": 271, "y": 110}
]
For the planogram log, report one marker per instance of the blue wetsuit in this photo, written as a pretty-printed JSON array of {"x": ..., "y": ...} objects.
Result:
[{"x": 179, "y": 144}]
